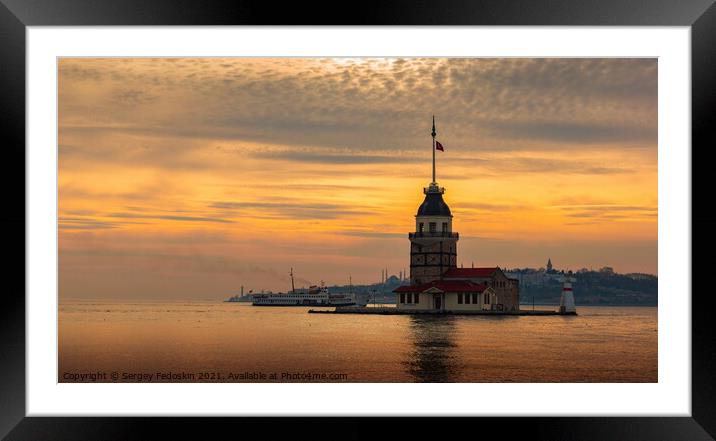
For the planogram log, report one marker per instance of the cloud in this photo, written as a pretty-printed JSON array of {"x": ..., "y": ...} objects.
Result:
[
  {"x": 89, "y": 223},
  {"x": 481, "y": 206},
  {"x": 598, "y": 213},
  {"x": 133, "y": 97},
  {"x": 373, "y": 234},
  {"x": 553, "y": 165},
  {"x": 294, "y": 209},
  {"x": 85, "y": 224},
  {"x": 339, "y": 159},
  {"x": 319, "y": 186},
  {"x": 367, "y": 104},
  {"x": 196, "y": 262},
  {"x": 501, "y": 165},
  {"x": 169, "y": 217},
  {"x": 570, "y": 132}
]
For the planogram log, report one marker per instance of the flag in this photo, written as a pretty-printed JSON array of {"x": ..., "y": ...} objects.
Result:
[{"x": 439, "y": 146}]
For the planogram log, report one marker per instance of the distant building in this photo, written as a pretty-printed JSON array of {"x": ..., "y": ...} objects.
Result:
[
  {"x": 549, "y": 265},
  {"x": 436, "y": 283},
  {"x": 640, "y": 276}
]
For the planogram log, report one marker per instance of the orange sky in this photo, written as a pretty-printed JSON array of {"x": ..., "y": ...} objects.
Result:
[{"x": 186, "y": 178}]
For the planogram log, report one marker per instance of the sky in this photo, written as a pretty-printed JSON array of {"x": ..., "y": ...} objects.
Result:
[{"x": 184, "y": 178}]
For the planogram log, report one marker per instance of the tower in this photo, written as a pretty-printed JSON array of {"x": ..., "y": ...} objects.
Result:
[
  {"x": 433, "y": 245},
  {"x": 566, "y": 302},
  {"x": 549, "y": 265}
]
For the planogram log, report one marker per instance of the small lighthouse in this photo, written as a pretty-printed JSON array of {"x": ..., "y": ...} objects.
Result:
[{"x": 566, "y": 303}]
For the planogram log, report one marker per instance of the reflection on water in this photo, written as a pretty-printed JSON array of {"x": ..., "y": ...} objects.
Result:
[
  {"x": 433, "y": 356},
  {"x": 143, "y": 339}
]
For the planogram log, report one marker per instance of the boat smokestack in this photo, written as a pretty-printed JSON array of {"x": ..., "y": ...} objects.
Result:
[{"x": 566, "y": 302}]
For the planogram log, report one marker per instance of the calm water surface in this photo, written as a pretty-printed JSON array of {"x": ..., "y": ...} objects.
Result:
[{"x": 602, "y": 344}]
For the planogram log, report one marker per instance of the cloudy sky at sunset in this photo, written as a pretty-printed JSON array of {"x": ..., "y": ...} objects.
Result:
[{"x": 186, "y": 178}]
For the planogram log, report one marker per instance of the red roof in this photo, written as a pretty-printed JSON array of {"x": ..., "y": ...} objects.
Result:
[
  {"x": 470, "y": 272},
  {"x": 443, "y": 285}
]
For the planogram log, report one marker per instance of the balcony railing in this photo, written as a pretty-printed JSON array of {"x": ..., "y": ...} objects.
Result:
[
  {"x": 433, "y": 234},
  {"x": 434, "y": 189}
]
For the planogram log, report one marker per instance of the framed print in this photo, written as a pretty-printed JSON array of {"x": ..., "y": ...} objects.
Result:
[{"x": 420, "y": 211}]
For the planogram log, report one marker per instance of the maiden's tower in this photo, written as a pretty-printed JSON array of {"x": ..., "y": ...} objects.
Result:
[{"x": 436, "y": 283}]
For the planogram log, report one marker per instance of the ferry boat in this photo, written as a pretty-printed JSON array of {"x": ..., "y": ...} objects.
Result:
[{"x": 316, "y": 296}]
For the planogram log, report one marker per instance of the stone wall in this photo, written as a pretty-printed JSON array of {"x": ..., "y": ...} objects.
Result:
[{"x": 431, "y": 257}]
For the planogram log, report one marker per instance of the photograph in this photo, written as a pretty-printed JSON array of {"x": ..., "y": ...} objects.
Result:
[{"x": 357, "y": 220}]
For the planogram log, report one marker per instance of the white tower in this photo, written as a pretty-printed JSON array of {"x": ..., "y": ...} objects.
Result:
[{"x": 566, "y": 303}]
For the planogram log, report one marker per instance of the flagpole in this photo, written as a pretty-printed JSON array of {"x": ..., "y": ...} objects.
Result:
[{"x": 433, "y": 133}]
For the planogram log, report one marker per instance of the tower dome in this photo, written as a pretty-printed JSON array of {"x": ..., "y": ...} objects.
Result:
[{"x": 434, "y": 205}]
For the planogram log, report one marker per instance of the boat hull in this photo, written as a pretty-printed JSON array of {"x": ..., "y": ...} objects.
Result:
[{"x": 304, "y": 304}]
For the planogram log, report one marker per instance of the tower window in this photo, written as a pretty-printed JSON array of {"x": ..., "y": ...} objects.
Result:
[
  {"x": 467, "y": 299},
  {"x": 402, "y": 297},
  {"x": 444, "y": 227},
  {"x": 474, "y": 298},
  {"x": 433, "y": 227},
  {"x": 421, "y": 227},
  {"x": 417, "y": 298},
  {"x": 410, "y": 298},
  {"x": 459, "y": 298}
]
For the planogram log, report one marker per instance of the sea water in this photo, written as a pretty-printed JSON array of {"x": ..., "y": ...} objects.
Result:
[{"x": 209, "y": 341}]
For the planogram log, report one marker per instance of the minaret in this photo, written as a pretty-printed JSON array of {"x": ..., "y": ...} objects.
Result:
[{"x": 433, "y": 245}]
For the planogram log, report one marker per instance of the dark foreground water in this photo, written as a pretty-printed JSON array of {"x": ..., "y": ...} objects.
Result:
[{"x": 211, "y": 341}]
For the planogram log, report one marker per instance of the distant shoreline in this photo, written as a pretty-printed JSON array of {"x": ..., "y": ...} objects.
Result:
[
  {"x": 526, "y": 305},
  {"x": 522, "y": 305}
]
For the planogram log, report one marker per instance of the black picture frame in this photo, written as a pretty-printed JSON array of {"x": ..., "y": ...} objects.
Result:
[{"x": 16, "y": 15}]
